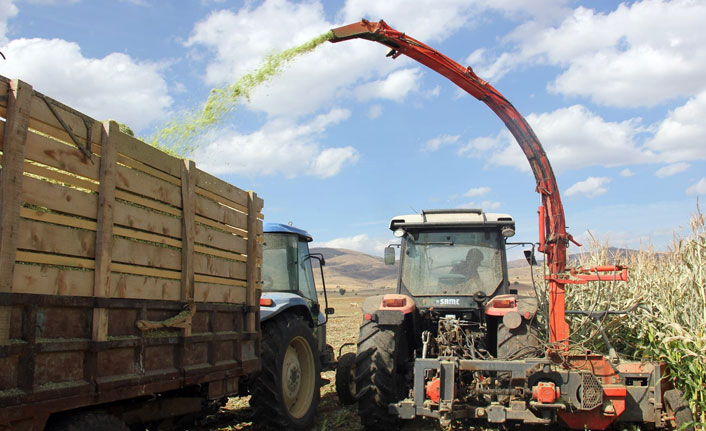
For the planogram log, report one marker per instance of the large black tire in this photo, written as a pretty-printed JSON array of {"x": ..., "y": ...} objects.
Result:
[
  {"x": 678, "y": 411},
  {"x": 88, "y": 422},
  {"x": 286, "y": 393},
  {"x": 378, "y": 380},
  {"x": 345, "y": 379},
  {"x": 519, "y": 343}
]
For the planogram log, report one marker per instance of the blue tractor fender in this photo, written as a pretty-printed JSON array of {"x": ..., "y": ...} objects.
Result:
[{"x": 284, "y": 301}]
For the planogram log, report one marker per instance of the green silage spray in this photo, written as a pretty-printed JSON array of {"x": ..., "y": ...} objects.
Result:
[{"x": 179, "y": 137}]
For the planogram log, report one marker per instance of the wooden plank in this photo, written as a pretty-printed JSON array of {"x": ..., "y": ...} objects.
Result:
[
  {"x": 50, "y": 280},
  {"x": 104, "y": 226},
  {"x": 137, "y": 253},
  {"x": 206, "y": 292},
  {"x": 137, "y": 165},
  {"x": 139, "y": 287},
  {"x": 187, "y": 251},
  {"x": 212, "y": 265},
  {"x": 187, "y": 235},
  {"x": 218, "y": 239},
  {"x": 220, "y": 226},
  {"x": 144, "y": 236},
  {"x": 135, "y": 181},
  {"x": 54, "y": 259},
  {"x": 221, "y": 200},
  {"x": 222, "y": 214},
  {"x": 59, "y": 198},
  {"x": 149, "y": 155},
  {"x": 50, "y": 238},
  {"x": 131, "y": 216},
  {"x": 251, "y": 298},
  {"x": 60, "y": 155},
  {"x": 219, "y": 280},
  {"x": 215, "y": 185},
  {"x": 149, "y": 203},
  {"x": 145, "y": 270},
  {"x": 19, "y": 99},
  {"x": 220, "y": 253},
  {"x": 57, "y": 219},
  {"x": 60, "y": 177}
]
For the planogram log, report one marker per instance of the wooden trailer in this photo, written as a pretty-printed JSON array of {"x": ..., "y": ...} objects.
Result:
[{"x": 129, "y": 279}]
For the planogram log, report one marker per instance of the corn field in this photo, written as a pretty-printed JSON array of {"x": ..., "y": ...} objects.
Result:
[{"x": 669, "y": 323}]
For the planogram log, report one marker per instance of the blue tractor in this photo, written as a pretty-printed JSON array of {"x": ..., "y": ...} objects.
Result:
[{"x": 294, "y": 349}]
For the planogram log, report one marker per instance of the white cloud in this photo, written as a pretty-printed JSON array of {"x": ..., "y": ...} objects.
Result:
[
  {"x": 426, "y": 20},
  {"x": 435, "y": 143},
  {"x": 573, "y": 137},
  {"x": 396, "y": 86},
  {"x": 590, "y": 187},
  {"x": 280, "y": 147},
  {"x": 673, "y": 169},
  {"x": 477, "y": 191},
  {"x": 113, "y": 87},
  {"x": 361, "y": 242},
  {"x": 613, "y": 57},
  {"x": 682, "y": 135},
  {"x": 237, "y": 42},
  {"x": 485, "y": 205},
  {"x": 7, "y": 11},
  {"x": 698, "y": 188},
  {"x": 375, "y": 111},
  {"x": 627, "y": 173}
]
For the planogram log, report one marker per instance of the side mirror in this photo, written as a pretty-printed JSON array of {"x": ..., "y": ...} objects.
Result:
[
  {"x": 529, "y": 255},
  {"x": 329, "y": 310},
  {"x": 389, "y": 255}
]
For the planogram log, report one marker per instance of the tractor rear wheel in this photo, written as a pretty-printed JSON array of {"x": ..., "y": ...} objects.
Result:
[
  {"x": 345, "y": 379},
  {"x": 286, "y": 393},
  {"x": 521, "y": 342},
  {"x": 377, "y": 377},
  {"x": 677, "y": 409}
]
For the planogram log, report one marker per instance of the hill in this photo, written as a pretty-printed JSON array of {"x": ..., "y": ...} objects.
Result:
[{"x": 353, "y": 270}]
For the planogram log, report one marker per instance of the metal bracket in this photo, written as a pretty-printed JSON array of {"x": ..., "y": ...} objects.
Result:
[{"x": 85, "y": 150}]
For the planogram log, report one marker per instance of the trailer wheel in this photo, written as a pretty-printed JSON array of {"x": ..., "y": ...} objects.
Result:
[
  {"x": 521, "y": 342},
  {"x": 345, "y": 379},
  {"x": 678, "y": 412},
  {"x": 88, "y": 422},
  {"x": 377, "y": 377},
  {"x": 286, "y": 393}
]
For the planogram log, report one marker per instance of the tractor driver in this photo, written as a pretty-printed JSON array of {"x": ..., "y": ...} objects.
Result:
[{"x": 469, "y": 268}]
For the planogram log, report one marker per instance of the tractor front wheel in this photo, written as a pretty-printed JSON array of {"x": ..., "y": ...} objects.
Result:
[
  {"x": 345, "y": 379},
  {"x": 286, "y": 393},
  {"x": 378, "y": 379},
  {"x": 679, "y": 415},
  {"x": 519, "y": 343}
]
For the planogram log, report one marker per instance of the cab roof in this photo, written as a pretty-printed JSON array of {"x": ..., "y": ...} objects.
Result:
[
  {"x": 284, "y": 228},
  {"x": 451, "y": 218}
]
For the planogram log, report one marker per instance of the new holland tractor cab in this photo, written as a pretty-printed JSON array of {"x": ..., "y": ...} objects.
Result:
[
  {"x": 294, "y": 349},
  {"x": 453, "y": 302}
]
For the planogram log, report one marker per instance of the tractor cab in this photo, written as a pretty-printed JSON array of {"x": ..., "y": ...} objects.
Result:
[
  {"x": 288, "y": 279},
  {"x": 452, "y": 259}
]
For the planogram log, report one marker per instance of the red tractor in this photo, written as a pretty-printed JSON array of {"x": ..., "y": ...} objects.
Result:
[{"x": 456, "y": 342}]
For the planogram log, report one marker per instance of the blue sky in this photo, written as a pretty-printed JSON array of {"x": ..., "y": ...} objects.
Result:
[{"x": 345, "y": 139}]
